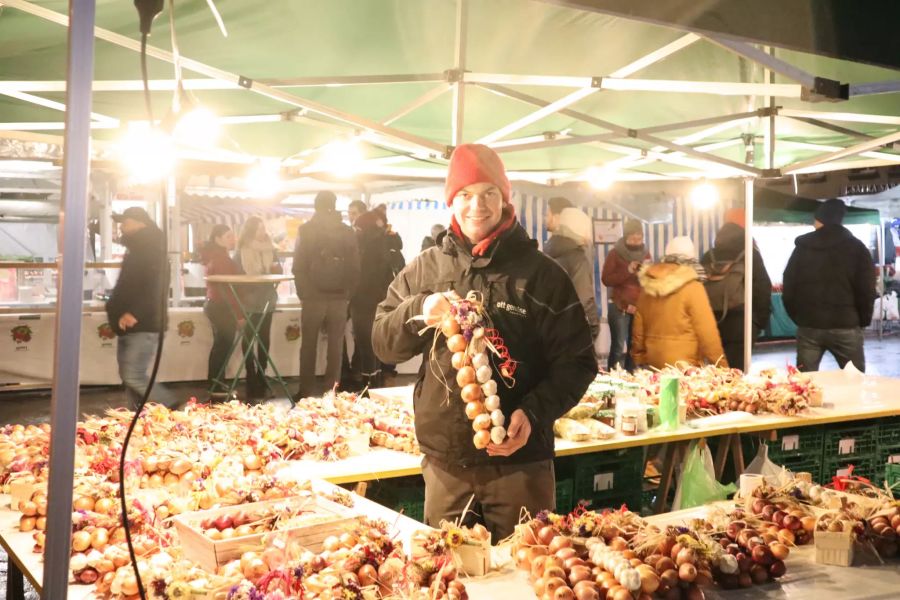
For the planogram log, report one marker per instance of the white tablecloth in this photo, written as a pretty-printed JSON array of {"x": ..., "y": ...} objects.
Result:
[{"x": 26, "y": 347}]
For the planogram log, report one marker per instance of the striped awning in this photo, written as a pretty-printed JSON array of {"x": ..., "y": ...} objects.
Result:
[{"x": 224, "y": 213}]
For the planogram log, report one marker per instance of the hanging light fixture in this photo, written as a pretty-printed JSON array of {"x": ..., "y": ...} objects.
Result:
[
  {"x": 264, "y": 179},
  {"x": 705, "y": 195},
  {"x": 147, "y": 152},
  {"x": 600, "y": 178}
]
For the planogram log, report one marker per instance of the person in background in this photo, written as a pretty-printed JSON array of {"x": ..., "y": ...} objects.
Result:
[
  {"x": 532, "y": 304},
  {"x": 376, "y": 274},
  {"x": 326, "y": 273},
  {"x": 221, "y": 306},
  {"x": 136, "y": 308},
  {"x": 673, "y": 321},
  {"x": 256, "y": 256},
  {"x": 829, "y": 291},
  {"x": 355, "y": 210},
  {"x": 571, "y": 245},
  {"x": 430, "y": 241},
  {"x": 724, "y": 265},
  {"x": 620, "y": 276}
]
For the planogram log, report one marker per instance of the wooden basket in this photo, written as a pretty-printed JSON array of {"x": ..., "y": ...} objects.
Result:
[
  {"x": 211, "y": 554},
  {"x": 22, "y": 492},
  {"x": 473, "y": 558},
  {"x": 834, "y": 548}
]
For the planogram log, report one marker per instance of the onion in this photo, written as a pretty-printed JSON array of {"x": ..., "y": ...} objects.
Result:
[
  {"x": 255, "y": 569},
  {"x": 473, "y": 409},
  {"x": 777, "y": 569},
  {"x": 564, "y": 593},
  {"x": 552, "y": 583},
  {"x": 483, "y": 374},
  {"x": 497, "y": 418},
  {"x": 685, "y": 555},
  {"x": 449, "y": 327},
  {"x": 367, "y": 575},
  {"x": 687, "y": 572},
  {"x": 81, "y": 503},
  {"x": 252, "y": 462},
  {"x": 787, "y": 537},
  {"x": 99, "y": 538},
  {"x": 586, "y": 590},
  {"x": 180, "y": 466},
  {"x": 481, "y": 422},
  {"x": 759, "y": 574},
  {"x": 457, "y": 343},
  {"x": 81, "y": 541},
  {"x": 498, "y": 434},
  {"x": 27, "y": 523},
  {"x": 481, "y": 439},
  {"x": 459, "y": 360},
  {"x": 472, "y": 393},
  {"x": 779, "y": 551},
  {"x": 465, "y": 376},
  {"x": 489, "y": 387},
  {"x": 171, "y": 479},
  {"x": 546, "y": 534},
  {"x": 104, "y": 506},
  {"x": 492, "y": 402}
]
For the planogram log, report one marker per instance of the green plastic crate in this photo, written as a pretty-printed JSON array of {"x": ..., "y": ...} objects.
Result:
[
  {"x": 797, "y": 443},
  {"x": 564, "y": 496},
  {"x": 846, "y": 441},
  {"x": 632, "y": 501},
  {"x": 892, "y": 475},
  {"x": 611, "y": 475},
  {"x": 400, "y": 495},
  {"x": 888, "y": 432},
  {"x": 863, "y": 466},
  {"x": 804, "y": 464}
]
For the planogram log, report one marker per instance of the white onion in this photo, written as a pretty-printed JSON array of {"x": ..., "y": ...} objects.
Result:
[
  {"x": 492, "y": 403},
  {"x": 498, "y": 434},
  {"x": 728, "y": 564},
  {"x": 497, "y": 418},
  {"x": 489, "y": 388},
  {"x": 480, "y": 360},
  {"x": 483, "y": 374}
]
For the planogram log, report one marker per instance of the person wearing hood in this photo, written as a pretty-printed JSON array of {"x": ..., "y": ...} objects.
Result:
[
  {"x": 532, "y": 305},
  {"x": 136, "y": 308},
  {"x": 674, "y": 321},
  {"x": 256, "y": 256},
  {"x": 326, "y": 273},
  {"x": 221, "y": 306},
  {"x": 829, "y": 291},
  {"x": 620, "y": 275},
  {"x": 571, "y": 246},
  {"x": 724, "y": 265}
]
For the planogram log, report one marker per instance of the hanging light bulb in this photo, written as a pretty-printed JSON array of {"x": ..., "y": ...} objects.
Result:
[
  {"x": 704, "y": 195},
  {"x": 341, "y": 158},
  {"x": 264, "y": 179},
  {"x": 147, "y": 153},
  {"x": 600, "y": 179},
  {"x": 198, "y": 127}
]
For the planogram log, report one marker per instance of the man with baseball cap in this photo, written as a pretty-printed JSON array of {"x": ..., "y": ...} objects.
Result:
[
  {"x": 532, "y": 304},
  {"x": 136, "y": 309},
  {"x": 829, "y": 290}
]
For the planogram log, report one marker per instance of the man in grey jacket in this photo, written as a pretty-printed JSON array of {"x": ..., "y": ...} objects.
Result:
[{"x": 572, "y": 251}]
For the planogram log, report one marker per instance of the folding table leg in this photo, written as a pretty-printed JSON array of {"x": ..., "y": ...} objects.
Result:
[
  {"x": 15, "y": 582},
  {"x": 361, "y": 488},
  {"x": 722, "y": 454},
  {"x": 665, "y": 477},
  {"x": 737, "y": 454}
]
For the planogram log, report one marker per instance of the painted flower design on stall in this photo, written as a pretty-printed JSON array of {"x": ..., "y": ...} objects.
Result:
[
  {"x": 105, "y": 332},
  {"x": 292, "y": 332},
  {"x": 186, "y": 329},
  {"x": 21, "y": 334}
]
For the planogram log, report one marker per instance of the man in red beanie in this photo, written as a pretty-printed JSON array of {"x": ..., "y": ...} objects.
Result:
[{"x": 532, "y": 304}]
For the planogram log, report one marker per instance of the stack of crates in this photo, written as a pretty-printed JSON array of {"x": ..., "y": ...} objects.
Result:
[
  {"x": 609, "y": 479},
  {"x": 565, "y": 502},
  {"x": 404, "y": 495},
  {"x": 851, "y": 444},
  {"x": 799, "y": 450},
  {"x": 888, "y": 450}
]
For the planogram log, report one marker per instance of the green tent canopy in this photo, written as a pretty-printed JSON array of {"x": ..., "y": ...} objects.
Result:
[{"x": 770, "y": 206}]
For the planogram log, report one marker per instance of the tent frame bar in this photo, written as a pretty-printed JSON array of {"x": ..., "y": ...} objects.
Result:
[
  {"x": 845, "y": 152},
  {"x": 54, "y": 105},
  {"x": 457, "y": 118},
  {"x": 765, "y": 59},
  {"x": 419, "y": 102},
  {"x": 840, "y": 116}
]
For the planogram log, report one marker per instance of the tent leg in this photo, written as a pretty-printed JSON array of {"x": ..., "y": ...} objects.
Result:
[
  {"x": 66, "y": 359},
  {"x": 748, "y": 274}
]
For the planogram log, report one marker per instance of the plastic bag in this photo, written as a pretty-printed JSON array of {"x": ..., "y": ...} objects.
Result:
[
  {"x": 761, "y": 465},
  {"x": 698, "y": 484},
  {"x": 668, "y": 403}
]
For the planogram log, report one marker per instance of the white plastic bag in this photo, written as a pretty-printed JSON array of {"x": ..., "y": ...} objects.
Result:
[{"x": 775, "y": 475}]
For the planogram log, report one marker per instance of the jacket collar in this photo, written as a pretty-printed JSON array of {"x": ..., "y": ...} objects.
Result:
[
  {"x": 664, "y": 279},
  {"x": 511, "y": 242}
]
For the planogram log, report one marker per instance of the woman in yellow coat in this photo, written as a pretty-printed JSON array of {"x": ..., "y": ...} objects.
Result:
[{"x": 674, "y": 321}]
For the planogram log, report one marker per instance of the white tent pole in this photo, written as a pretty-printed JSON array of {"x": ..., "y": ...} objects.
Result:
[
  {"x": 457, "y": 118},
  {"x": 876, "y": 87},
  {"x": 850, "y": 151},
  {"x": 879, "y": 285},
  {"x": 66, "y": 358},
  {"x": 417, "y": 103},
  {"x": 254, "y": 86},
  {"x": 772, "y": 134},
  {"x": 840, "y": 116},
  {"x": 765, "y": 59},
  {"x": 748, "y": 274},
  {"x": 54, "y": 105}
]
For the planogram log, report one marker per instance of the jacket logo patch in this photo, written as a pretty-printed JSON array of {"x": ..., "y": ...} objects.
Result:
[{"x": 512, "y": 309}]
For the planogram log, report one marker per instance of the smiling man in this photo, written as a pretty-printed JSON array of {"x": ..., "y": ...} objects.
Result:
[{"x": 532, "y": 304}]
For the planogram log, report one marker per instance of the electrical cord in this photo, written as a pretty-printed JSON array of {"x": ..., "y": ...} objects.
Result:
[{"x": 147, "y": 11}]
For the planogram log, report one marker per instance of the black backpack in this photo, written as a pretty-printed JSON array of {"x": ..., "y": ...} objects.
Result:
[
  {"x": 328, "y": 260},
  {"x": 725, "y": 283}
]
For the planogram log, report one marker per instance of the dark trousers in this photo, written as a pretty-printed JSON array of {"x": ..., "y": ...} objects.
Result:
[
  {"x": 620, "y": 323},
  {"x": 224, "y": 327},
  {"x": 501, "y": 491},
  {"x": 846, "y": 345},
  {"x": 314, "y": 315},
  {"x": 256, "y": 375},
  {"x": 362, "y": 312}
]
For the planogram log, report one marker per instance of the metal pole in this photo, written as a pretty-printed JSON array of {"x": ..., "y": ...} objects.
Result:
[
  {"x": 174, "y": 240},
  {"x": 72, "y": 220},
  {"x": 748, "y": 274},
  {"x": 879, "y": 285}
]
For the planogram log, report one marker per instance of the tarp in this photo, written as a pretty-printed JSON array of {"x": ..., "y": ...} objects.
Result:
[{"x": 770, "y": 206}]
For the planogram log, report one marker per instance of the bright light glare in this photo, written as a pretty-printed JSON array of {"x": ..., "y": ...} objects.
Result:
[
  {"x": 146, "y": 152},
  {"x": 342, "y": 158},
  {"x": 704, "y": 196},
  {"x": 600, "y": 179},
  {"x": 264, "y": 179},
  {"x": 198, "y": 127}
]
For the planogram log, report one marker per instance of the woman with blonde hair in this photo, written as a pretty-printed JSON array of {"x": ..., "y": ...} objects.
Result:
[{"x": 256, "y": 256}]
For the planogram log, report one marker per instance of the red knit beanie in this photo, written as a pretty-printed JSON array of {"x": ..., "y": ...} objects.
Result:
[
  {"x": 736, "y": 216},
  {"x": 475, "y": 163}
]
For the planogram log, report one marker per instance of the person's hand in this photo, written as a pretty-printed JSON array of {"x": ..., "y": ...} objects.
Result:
[
  {"x": 517, "y": 433},
  {"x": 127, "y": 321},
  {"x": 436, "y": 307},
  {"x": 631, "y": 309},
  {"x": 633, "y": 266}
]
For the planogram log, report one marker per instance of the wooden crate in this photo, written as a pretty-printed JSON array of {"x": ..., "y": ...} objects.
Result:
[
  {"x": 834, "y": 548},
  {"x": 473, "y": 559},
  {"x": 22, "y": 492},
  {"x": 211, "y": 554}
]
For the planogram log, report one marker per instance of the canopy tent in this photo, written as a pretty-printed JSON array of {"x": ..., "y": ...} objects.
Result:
[
  {"x": 771, "y": 206},
  {"x": 556, "y": 88}
]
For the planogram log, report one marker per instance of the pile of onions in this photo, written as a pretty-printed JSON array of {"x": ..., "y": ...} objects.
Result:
[
  {"x": 791, "y": 524},
  {"x": 168, "y": 472},
  {"x": 884, "y": 530},
  {"x": 760, "y": 556},
  {"x": 464, "y": 336}
]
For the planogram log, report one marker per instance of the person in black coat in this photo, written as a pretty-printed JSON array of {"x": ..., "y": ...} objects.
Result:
[
  {"x": 727, "y": 252},
  {"x": 829, "y": 291}
]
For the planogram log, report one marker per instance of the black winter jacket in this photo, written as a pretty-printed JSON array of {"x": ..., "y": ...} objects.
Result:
[
  {"x": 829, "y": 281},
  {"x": 572, "y": 258},
  {"x": 143, "y": 277},
  {"x": 325, "y": 229},
  {"x": 730, "y": 245},
  {"x": 532, "y": 304},
  {"x": 376, "y": 259}
]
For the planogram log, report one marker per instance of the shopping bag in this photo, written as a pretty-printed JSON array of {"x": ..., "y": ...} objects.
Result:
[
  {"x": 775, "y": 475},
  {"x": 668, "y": 403},
  {"x": 698, "y": 484}
]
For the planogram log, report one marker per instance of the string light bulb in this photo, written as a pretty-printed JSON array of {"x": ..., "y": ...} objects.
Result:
[
  {"x": 704, "y": 195},
  {"x": 198, "y": 127},
  {"x": 264, "y": 179},
  {"x": 600, "y": 179},
  {"x": 341, "y": 158},
  {"x": 147, "y": 153}
]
